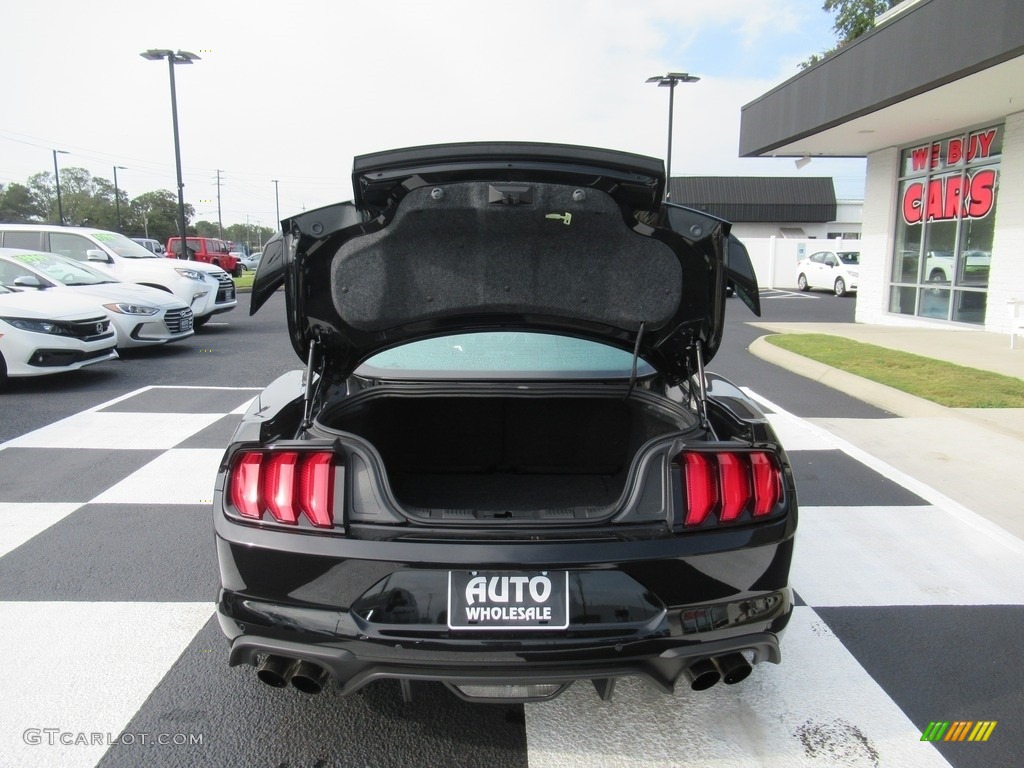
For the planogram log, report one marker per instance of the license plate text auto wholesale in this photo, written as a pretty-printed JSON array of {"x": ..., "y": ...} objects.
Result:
[{"x": 500, "y": 600}]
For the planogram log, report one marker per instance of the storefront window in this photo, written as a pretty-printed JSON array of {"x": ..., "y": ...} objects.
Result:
[{"x": 945, "y": 227}]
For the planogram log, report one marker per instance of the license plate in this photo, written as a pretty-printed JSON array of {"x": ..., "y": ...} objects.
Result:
[
  {"x": 186, "y": 324},
  {"x": 504, "y": 600}
]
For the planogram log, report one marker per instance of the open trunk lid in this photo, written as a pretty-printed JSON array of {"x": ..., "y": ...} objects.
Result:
[{"x": 463, "y": 237}]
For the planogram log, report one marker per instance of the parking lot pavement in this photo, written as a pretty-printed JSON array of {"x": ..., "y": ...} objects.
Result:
[
  {"x": 108, "y": 581},
  {"x": 972, "y": 456}
]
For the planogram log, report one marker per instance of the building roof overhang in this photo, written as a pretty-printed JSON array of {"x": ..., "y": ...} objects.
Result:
[{"x": 936, "y": 68}]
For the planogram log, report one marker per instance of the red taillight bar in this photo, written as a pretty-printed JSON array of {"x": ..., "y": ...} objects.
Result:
[
  {"x": 701, "y": 487},
  {"x": 285, "y": 484},
  {"x": 729, "y": 484}
]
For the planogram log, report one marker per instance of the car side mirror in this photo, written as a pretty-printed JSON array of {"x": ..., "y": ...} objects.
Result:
[
  {"x": 95, "y": 254},
  {"x": 28, "y": 281}
]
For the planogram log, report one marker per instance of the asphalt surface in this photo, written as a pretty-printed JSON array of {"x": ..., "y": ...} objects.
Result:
[{"x": 909, "y": 609}]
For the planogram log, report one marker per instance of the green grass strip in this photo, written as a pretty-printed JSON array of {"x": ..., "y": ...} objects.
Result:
[{"x": 953, "y": 386}]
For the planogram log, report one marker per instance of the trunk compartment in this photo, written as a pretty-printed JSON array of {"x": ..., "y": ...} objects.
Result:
[{"x": 505, "y": 452}]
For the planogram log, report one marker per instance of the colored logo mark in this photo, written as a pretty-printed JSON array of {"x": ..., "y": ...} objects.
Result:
[{"x": 959, "y": 730}]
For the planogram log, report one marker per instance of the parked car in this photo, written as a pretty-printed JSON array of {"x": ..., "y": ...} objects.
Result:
[
  {"x": 207, "y": 289},
  {"x": 43, "y": 333},
  {"x": 208, "y": 250},
  {"x": 143, "y": 316},
  {"x": 835, "y": 271},
  {"x": 155, "y": 246},
  {"x": 939, "y": 267},
  {"x": 503, "y": 465},
  {"x": 249, "y": 263}
]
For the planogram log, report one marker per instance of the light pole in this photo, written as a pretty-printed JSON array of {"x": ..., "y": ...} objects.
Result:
[
  {"x": 277, "y": 204},
  {"x": 117, "y": 195},
  {"x": 56, "y": 180},
  {"x": 179, "y": 57},
  {"x": 670, "y": 81}
]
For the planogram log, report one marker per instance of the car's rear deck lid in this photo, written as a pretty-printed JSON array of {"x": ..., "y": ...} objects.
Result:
[{"x": 456, "y": 238}]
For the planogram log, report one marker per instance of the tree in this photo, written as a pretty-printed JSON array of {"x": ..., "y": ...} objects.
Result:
[
  {"x": 853, "y": 19},
  {"x": 85, "y": 199},
  {"x": 207, "y": 228},
  {"x": 19, "y": 206},
  {"x": 155, "y": 214}
]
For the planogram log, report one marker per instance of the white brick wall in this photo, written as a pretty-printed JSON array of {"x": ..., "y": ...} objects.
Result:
[
  {"x": 877, "y": 237},
  {"x": 1006, "y": 280}
]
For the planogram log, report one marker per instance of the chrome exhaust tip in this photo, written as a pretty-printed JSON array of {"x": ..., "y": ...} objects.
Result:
[
  {"x": 703, "y": 675},
  {"x": 309, "y": 678},
  {"x": 735, "y": 668},
  {"x": 275, "y": 671}
]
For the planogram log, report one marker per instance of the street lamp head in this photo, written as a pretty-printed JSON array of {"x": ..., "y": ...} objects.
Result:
[
  {"x": 669, "y": 80},
  {"x": 62, "y": 152},
  {"x": 156, "y": 54},
  {"x": 179, "y": 57}
]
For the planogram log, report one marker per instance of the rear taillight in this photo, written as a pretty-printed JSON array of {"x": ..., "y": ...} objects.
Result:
[
  {"x": 728, "y": 486},
  {"x": 287, "y": 484}
]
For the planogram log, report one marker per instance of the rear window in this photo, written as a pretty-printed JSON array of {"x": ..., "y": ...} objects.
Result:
[{"x": 503, "y": 354}]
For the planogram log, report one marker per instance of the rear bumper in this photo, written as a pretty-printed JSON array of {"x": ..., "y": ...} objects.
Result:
[{"x": 373, "y": 610}]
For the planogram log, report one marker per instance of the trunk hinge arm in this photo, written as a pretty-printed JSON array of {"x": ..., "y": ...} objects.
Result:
[
  {"x": 636, "y": 357},
  {"x": 309, "y": 394},
  {"x": 702, "y": 390}
]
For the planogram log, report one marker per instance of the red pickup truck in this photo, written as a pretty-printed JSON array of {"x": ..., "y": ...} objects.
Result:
[{"x": 206, "y": 249}]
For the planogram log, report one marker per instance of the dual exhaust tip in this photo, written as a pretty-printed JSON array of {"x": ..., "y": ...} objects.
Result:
[
  {"x": 305, "y": 676},
  {"x": 730, "y": 669}
]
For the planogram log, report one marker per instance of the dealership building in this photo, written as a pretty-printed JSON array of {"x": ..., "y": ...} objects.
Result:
[{"x": 933, "y": 97}]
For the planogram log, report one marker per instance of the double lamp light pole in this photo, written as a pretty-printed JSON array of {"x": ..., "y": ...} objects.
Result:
[{"x": 175, "y": 57}]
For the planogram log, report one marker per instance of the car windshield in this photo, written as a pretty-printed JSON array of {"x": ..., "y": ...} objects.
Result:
[
  {"x": 61, "y": 270},
  {"x": 849, "y": 257},
  {"x": 124, "y": 246},
  {"x": 503, "y": 354}
]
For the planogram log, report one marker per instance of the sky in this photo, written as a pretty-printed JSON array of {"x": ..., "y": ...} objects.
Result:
[{"x": 292, "y": 91}]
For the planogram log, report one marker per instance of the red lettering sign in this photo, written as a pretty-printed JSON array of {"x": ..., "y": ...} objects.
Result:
[
  {"x": 978, "y": 146},
  {"x": 946, "y": 197}
]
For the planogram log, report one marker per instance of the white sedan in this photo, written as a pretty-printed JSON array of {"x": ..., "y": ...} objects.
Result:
[
  {"x": 43, "y": 332},
  {"x": 143, "y": 316},
  {"x": 836, "y": 271}
]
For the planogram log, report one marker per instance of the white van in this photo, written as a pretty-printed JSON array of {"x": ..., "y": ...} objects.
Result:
[
  {"x": 150, "y": 245},
  {"x": 209, "y": 290}
]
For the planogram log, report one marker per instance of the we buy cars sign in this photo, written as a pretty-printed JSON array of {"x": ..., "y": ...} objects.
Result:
[{"x": 944, "y": 198}]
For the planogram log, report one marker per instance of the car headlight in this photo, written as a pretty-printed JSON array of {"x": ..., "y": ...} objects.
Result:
[
  {"x": 191, "y": 274},
  {"x": 127, "y": 308},
  {"x": 36, "y": 326},
  {"x": 853, "y": 274}
]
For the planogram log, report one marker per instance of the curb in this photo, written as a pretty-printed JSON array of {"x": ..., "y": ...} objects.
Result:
[
  {"x": 879, "y": 395},
  {"x": 887, "y": 398}
]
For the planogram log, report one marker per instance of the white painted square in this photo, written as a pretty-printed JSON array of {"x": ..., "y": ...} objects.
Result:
[
  {"x": 874, "y": 556},
  {"x": 117, "y": 430},
  {"x": 179, "y": 476},
  {"x": 797, "y": 435},
  {"x": 783, "y": 716},
  {"x": 20, "y": 522},
  {"x": 84, "y": 667}
]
